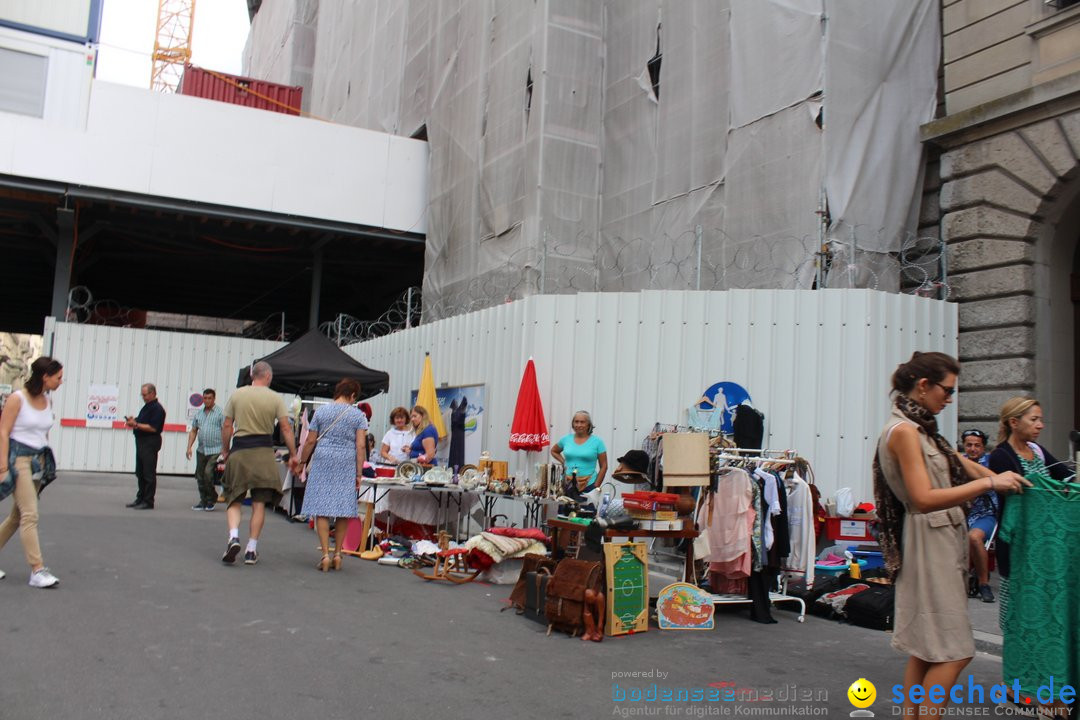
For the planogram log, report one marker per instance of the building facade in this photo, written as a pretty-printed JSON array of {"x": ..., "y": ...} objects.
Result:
[
  {"x": 625, "y": 145},
  {"x": 1009, "y": 208}
]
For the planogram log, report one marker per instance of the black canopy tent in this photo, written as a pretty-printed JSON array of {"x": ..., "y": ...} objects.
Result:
[{"x": 313, "y": 365}]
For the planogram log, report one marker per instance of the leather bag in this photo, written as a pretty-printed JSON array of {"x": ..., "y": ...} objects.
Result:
[{"x": 565, "y": 609}]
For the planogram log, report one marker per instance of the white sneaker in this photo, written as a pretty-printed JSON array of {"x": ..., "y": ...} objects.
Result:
[
  {"x": 2, "y": 574},
  {"x": 43, "y": 579}
]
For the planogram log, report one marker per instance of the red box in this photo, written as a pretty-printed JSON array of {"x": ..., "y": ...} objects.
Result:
[{"x": 852, "y": 528}]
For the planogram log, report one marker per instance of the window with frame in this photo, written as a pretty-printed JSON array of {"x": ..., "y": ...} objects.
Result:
[{"x": 23, "y": 77}]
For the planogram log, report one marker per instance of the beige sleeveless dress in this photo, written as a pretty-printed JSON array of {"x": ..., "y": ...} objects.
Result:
[{"x": 931, "y": 618}]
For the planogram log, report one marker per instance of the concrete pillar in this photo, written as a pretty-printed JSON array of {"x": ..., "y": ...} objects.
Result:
[{"x": 65, "y": 241}]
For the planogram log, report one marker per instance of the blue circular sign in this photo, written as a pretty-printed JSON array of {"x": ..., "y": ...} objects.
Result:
[{"x": 715, "y": 409}]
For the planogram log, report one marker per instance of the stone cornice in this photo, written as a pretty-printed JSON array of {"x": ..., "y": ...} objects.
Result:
[{"x": 1046, "y": 100}]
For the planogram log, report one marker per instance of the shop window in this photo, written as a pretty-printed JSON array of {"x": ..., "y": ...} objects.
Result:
[
  {"x": 22, "y": 82},
  {"x": 654, "y": 66}
]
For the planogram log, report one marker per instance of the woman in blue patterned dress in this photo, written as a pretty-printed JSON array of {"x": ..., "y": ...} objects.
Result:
[{"x": 336, "y": 464}]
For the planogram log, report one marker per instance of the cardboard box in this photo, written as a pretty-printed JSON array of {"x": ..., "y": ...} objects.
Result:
[{"x": 686, "y": 459}]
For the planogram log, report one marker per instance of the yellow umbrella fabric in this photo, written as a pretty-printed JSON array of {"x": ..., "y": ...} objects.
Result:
[{"x": 427, "y": 399}]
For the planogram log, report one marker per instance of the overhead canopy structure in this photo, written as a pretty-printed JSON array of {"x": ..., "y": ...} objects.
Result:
[{"x": 313, "y": 365}]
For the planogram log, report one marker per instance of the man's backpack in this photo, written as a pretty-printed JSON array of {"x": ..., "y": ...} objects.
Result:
[{"x": 565, "y": 608}]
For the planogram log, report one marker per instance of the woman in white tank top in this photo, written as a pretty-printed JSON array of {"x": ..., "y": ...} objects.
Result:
[{"x": 24, "y": 438}]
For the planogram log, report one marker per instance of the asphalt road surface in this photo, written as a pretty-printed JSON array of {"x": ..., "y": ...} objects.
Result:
[{"x": 148, "y": 623}]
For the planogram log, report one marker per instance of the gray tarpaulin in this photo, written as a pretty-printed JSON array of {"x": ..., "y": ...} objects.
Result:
[
  {"x": 281, "y": 45},
  {"x": 581, "y": 144}
]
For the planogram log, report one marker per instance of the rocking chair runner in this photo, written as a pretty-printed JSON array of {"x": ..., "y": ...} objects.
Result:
[{"x": 451, "y": 565}]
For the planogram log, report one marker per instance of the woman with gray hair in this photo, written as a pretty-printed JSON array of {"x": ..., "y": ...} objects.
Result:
[{"x": 582, "y": 455}]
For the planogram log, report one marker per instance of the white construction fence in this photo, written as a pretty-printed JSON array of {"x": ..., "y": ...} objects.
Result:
[{"x": 816, "y": 363}]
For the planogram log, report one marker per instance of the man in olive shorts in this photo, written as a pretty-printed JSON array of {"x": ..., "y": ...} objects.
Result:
[{"x": 250, "y": 467}]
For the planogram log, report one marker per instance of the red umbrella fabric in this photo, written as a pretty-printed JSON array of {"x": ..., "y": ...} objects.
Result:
[{"x": 529, "y": 429}]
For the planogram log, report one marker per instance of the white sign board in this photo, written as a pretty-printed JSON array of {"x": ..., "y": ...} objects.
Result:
[{"x": 102, "y": 402}]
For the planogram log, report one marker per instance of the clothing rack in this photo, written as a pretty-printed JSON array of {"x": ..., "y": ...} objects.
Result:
[
  {"x": 755, "y": 460},
  {"x": 782, "y": 575}
]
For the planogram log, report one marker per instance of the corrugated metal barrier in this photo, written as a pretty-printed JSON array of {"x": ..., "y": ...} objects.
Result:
[
  {"x": 817, "y": 363},
  {"x": 178, "y": 364}
]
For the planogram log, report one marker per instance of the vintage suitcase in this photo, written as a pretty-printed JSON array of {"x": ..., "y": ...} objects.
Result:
[
  {"x": 536, "y": 590},
  {"x": 530, "y": 563}
]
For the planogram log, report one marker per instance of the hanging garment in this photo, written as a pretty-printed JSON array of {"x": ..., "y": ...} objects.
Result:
[
  {"x": 458, "y": 411},
  {"x": 757, "y": 537},
  {"x": 801, "y": 528},
  {"x": 1040, "y": 600},
  {"x": 724, "y": 516},
  {"x": 782, "y": 544},
  {"x": 749, "y": 427},
  {"x": 771, "y": 502},
  {"x": 728, "y": 517}
]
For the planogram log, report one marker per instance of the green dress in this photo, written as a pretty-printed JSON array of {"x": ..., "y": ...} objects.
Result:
[{"x": 1040, "y": 600}]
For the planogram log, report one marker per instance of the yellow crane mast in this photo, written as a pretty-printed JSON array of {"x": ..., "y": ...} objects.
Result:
[{"x": 172, "y": 44}]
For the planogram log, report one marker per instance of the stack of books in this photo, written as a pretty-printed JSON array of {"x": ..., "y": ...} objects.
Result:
[{"x": 653, "y": 510}]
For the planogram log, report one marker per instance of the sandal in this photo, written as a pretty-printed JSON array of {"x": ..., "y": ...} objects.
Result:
[
  {"x": 337, "y": 561},
  {"x": 324, "y": 564}
]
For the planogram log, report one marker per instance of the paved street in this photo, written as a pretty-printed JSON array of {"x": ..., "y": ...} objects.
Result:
[{"x": 148, "y": 623}]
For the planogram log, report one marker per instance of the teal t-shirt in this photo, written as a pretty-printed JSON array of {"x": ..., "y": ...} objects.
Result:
[{"x": 582, "y": 457}]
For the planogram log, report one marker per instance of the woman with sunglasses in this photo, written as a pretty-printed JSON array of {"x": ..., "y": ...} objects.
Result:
[
  {"x": 920, "y": 485},
  {"x": 24, "y": 439}
]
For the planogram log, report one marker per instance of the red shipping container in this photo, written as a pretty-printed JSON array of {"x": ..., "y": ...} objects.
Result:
[{"x": 238, "y": 90}]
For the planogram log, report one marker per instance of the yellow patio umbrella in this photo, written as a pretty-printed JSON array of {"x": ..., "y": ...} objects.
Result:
[{"x": 426, "y": 397}]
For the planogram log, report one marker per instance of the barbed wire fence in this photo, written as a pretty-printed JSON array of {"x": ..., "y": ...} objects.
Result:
[
  {"x": 697, "y": 260},
  {"x": 692, "y": 260},
  {"x": 85, "y": 309}
]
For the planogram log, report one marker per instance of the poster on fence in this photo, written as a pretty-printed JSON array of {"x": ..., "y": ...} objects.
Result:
[
  {"x": 101, "y": 405},
  {"x": 462, "y": 409}
]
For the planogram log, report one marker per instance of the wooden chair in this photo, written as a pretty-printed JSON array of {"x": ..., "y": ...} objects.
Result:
[{"x": 450, "y": 565}]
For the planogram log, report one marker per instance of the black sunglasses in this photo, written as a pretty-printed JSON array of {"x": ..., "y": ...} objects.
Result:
[{"x": 949, "y": 391}]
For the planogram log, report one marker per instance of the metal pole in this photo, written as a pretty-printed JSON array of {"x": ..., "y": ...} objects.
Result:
[
  {"x": 316, "y": 289},
  {"x": 851, "y": 263},
  {"x": 543, "y": 265},
  {"x": 943, "y": 266},
  {"x": 408, "y": 307},
  {"x": 281, "y": 337},
  {"x": 339, "y": 330},
  {"x": 697, "y": 232}
]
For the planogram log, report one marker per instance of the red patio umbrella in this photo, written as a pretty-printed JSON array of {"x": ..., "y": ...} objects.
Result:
[{"x": 529, "y": 429}]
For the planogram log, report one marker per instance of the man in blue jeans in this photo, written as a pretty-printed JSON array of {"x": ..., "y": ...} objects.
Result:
[
  {"x": 982, "y": 518},
  {"x": 147, "y": 428}
]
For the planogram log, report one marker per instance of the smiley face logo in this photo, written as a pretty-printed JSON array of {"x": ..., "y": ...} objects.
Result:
[{"x": 862, "y": 693}]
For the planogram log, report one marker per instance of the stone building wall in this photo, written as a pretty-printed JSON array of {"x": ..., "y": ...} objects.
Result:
[{"x": 1002, "y": 200}]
